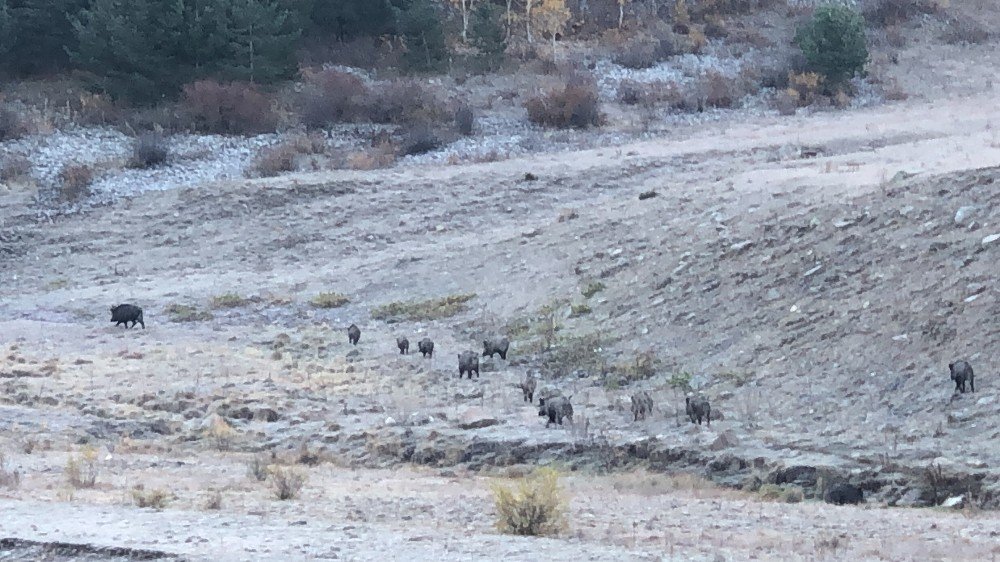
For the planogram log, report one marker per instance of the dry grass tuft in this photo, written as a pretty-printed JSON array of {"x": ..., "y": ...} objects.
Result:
[
  {"x": 433, "y": 309},
  {"x": 535, "y": 507},
  {"x": 286, "y": 482}
]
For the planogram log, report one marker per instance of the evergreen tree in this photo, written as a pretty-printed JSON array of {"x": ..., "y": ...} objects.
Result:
[
  {"x": 348, "y": 19},
  {"x": 132, "y": 47},
  {"x": 833, "y": 43},
  {"x": 262, "y": 38},
  {"x": 6, "y": 30},
  {"x": 487, "y": 34},
  {"x": 42, "y": 34},
  {"x": 419, "y": 25}
]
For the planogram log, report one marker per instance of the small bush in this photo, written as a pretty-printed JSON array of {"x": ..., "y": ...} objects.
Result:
[
  {"x": 787, "y": 494},
  {"x": 719, "y": 90},
  {"x": 964, "y": 30},
  {"x": 770, "y": 492},
  {"x": 592, "y": 289},
  {"x": 434, "y": 309},
  {"x": 574, "y": 105},
  {"x": 186, "y": 313},
  {"x": 406, "y": 101},
  {"x": 229, "y": 300},
  {"x": 148, "y": 151},
  {"x": 805, "y": 88},
  {"x": 233, "y": 108},
  {"x": 792, "y": 494},
  {"x": 81, "y": 471},
  {"x": 536, "y": 507},
  {"x": 639, "y": 53},
  {"x": 332, "y": 96},
  {"x": 669, "y": 94},
  {"x": 420, "y": 139},
  {"x": 74, "y": 181},
  {"x": 12, "y": 124},
  {"x": 329, "y": 300},
  {"x": 14, "y": 168},
  {"x": 273, "y": 161},
  {"x": 882, "y": 13},
  {"x": 578, "y": 310},
  {"x": 156, "y": 499},
  {"x": 833, "y": 43},
  {"x": 257, "y": 467},
  {"x": 9, "y": 478},
  {"x": 286, "y": 482},
  {"x": 214, "y": 501},
  {"x": 465, "y": 120}
]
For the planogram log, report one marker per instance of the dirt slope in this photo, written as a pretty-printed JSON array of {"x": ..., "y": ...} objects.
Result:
[{"x": 809, "y": 272}]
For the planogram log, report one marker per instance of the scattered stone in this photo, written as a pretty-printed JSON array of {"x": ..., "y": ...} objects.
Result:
[
  {"x": 956, "y": 502},
  {"x": 990, "y": 239},
  {"x": 647, "y": 195},
  {"x": 476, "y": 418},
  {"x": 528, "y": 176},
  {"x": 964, "y": 215}
]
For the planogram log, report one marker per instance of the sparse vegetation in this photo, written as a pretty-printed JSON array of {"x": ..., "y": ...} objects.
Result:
[
  {"x": 12, "y": 124},
  {"x": 186, "y": 313},
  {"x": 220, "y": 432},
  {"x": 535, "y": 507},
  {"x": 786, "y": 494},
  {"x": 592, "y": 289},
  {"x": 577, "y": 310},
  {"x": 232, "y": 108},
  {"x": 329, "y": 300},
  {"x": 257, "y": 467},
  {"x": 465, "y": 120},
  {"x": 14, "y": 168},
  {"x": 229, "y": 300},
  {"x": 273, "y": 161},
  {"x": 81, "y": 470},
  {"x": 680, "y": 382},
  {"x": 74, "y": 181},
  {"x": 155, "y": 498},
  {"x": 214, "y": 501},
  {"x": 286, "y": 482},
  {"x": 575, "y": 104},
  {"x": 433, "y": 309},
  {"x": 149, "y": 150},
  {"x": 9, "y": 477}
]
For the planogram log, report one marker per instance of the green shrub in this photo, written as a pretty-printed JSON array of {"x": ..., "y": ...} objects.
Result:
[
  {"x": 329, "y": 300},
  {"x": 833, "y": 43},
  {"x": 418, "y": 311},
  {"x": 536, "y": 507}
]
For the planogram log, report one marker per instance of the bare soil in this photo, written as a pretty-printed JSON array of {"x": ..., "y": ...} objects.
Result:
[{"x": 814, "y": 274}]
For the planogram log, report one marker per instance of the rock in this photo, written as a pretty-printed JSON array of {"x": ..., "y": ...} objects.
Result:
[
  {"x": 476, "y": 418},
  {"x": 266, "y": 415},
  {"x": 725, "y": 440},
  {"x": 956, "y": 502},
  {"x": 646, "y": 195},
  {"x": 990, "y": 239},
  {"x": 912, "y": 498},
  {"x": 531, "y": 233},
  {"x": 964, "y": 215}
]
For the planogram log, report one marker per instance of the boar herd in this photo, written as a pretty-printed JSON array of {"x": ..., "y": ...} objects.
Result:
[{"x": 553, "y": 405}]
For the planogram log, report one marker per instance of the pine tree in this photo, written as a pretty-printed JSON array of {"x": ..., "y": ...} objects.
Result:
[
  {"x": 420, "y": 27},
  {"x": 487, "y": 34},
  {"x": 347, "y": 19},
  {"x": 262, "y": 39},
  {"x": 43, "y": 33},
  {"x": 7, "y": 36},
  {"x": 132, "y": 47}
]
